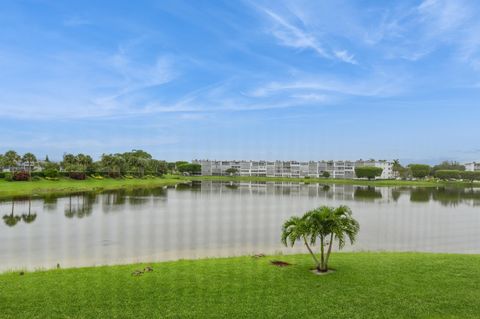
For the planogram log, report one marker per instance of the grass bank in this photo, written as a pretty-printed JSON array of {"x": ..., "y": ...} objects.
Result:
[
  {"x": 365, "y": 285},
  {"x": 419, "y": 183},
  {"x": 66, "y": 186}
]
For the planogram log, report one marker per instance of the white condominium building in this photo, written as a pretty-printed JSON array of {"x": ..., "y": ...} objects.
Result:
[
  {"x": 472, "y": 167},
  {"x": 335, "y": 169}
]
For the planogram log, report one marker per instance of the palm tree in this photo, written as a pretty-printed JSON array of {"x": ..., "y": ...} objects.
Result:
[
  {"x": 10, "y": 159},
  {"x": 30, "y": 160},
  {"x": 325, "y": 224},
  {"x": 298, "y": 228},
  {"x": 343, "y": 227}
]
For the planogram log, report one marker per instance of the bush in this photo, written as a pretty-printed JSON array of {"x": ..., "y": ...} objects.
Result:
[
  {"x": 51, "y": 178},
  {"x": 446, "y": 174},
  {"x": 37, "y": 174},
  {"x": 97, "y": 176},
  {"x": 326, "y": 174},
  {"x": 114, "y": 175},
  {"x": 369, "y": 172},
  {"x": 8, "y": 176},
  {"x": 77, "y": 175},
  {"x": 470, "y": 176},
  {"x": 420, "y": 170},
  {"x": 36, "y": 178},
  {"x": 20, "y": 176},
  {"x": 51, "y": 173},
  {"x": 2, "y": 174},
  {"x": 189, "y": 168}
]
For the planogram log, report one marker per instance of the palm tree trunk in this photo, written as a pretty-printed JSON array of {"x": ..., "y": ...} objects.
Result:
[
  {"x": 322, "y": 255},
  {"x": 329, "y": 250},
  {"x": 311, "y": 252}
]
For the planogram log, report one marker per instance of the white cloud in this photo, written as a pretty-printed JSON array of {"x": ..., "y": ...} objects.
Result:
[
  {"x": 345, "y": 56},
  {"x": 297, "y": 36},
  {"x": 377, "y": 87},
  {"x": 293, "y": 36}
]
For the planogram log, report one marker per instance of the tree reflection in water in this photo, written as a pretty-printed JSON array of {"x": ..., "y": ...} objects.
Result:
[
  {"x": 367, "y": 193},
  {"x": 80, "y": 205},
  {"x": 12, "y": 219}
]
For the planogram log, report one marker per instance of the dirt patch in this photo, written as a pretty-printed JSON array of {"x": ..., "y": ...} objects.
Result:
[{"x": 280, "y": 263}]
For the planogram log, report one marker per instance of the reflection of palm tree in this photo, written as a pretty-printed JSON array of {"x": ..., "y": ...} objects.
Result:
[
  {"x": 83, "y": 207},
  {"x": 29, "y": 218},
  {"x": 11, "y": 220}
]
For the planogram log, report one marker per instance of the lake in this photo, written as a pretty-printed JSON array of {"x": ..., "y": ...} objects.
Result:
[{"x": 214, "y": 219}]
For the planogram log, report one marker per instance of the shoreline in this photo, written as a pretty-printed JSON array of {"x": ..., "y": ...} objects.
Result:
[
  {"x": 276, "y": 255},
  {"x": 67, "y": 186},
  {"x": 329, "y": 181}
]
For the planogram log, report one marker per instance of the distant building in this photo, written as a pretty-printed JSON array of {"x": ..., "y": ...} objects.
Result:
[
  {"x": 472, "y": 167},
  {"x": 295, "y": 169}
]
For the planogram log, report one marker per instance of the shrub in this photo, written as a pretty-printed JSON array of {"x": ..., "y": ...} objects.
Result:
[
  {"x": 8, "y": 176},
  {"x": 470, "y": 176},
  {"x": 51, "y": 173},
  {"x": 114, "y": 175},
  {"x": 77, "y": 175},
  {"x": 97, "y": 176},
  {"x": 2, "y": 174},
  {"x": 326, "y": 174},
  {"x": 369, "y": 172},
  {"x": 447, "y": 174},
  {"x": 51, "y": 178},
  {"x": 36, "y": 178},
  {"x": 20, "y": 176},
  {"x": 189, "y": 168},
  {"x": 37, "y": 174},
  {"x": 420, "y": 170}
]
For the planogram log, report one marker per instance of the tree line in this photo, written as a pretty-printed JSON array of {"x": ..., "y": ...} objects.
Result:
[
  {"x": 447, "y": 170},
  {"x": 136, "y": 163}
]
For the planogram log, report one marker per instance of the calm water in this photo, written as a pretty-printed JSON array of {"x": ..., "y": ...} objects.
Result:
[{"x": 222, "y": 219}]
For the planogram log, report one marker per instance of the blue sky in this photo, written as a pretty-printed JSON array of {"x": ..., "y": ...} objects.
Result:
[{"x": 242, "y": 79}]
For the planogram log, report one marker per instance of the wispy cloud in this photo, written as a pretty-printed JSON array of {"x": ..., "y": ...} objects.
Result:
[
  {"x": 297, "y": 36},
  {"x": 293, "y": 36},
  {"x": 345, "y": 56}
]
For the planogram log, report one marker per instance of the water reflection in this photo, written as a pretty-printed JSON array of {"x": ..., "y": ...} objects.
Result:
[
  {"x": 13, "y": 219},
  {"x": 79, "y": 206},
  {"x": 369, "y": 193}
]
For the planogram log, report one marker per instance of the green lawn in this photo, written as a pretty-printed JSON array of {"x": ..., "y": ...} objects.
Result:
[
  {"x": 65, "y": 186},
  {"x": 419, "y": 183},
  {"x": 365, "y": 285}
]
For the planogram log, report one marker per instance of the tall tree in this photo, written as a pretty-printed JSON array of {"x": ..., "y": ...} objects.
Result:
[
  {"x": 11, "y": 159},
  {"x": 30, "y": 160}
]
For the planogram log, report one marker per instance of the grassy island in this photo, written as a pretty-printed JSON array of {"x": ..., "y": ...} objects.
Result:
[{"x": 364, "y": 285}]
